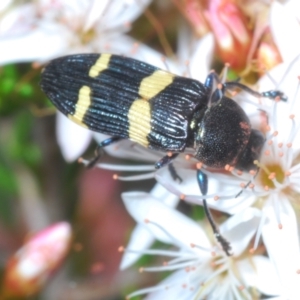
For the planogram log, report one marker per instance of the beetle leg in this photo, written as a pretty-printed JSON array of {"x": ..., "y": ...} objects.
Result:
[
  {"x": 203, "y": 183},
  {"x": 174, "y": 173},
  {"x": 99, "y": 152},
  {"x": 166, "y": 160},
  {"x": 272, "y": 94}
]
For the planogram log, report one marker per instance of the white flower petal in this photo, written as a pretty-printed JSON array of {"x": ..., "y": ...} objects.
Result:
[
  {"x": 120, "y": 13},
  {"x": 200, "y": 63},
  {"x": 140, "y": 239},
  {"x": 294, "y": 7},
  {"x": 283, "y": 246},
  {"x": 259, "y": 272},
  {"x": 285, "y": 27},
  {"x": 240, "y": 229},
  {"x": 4, "y": 4},
  {"x": 159, "y": 192},
  {"x": 185, "y": 36},
  {"x": 17, "y": 21},
  {"x": 227, "y": 186},
  {"x": 40, "y": 44},
  {"x": 174, "y": 287},
  {"x": 166, "y": 224},
  {"x": 129, "y": 47},
  {"x": 286, "y": 75},
  {"x": 97, "y": 8},
  {"x": 72, "y": 139},
  {"x": 197, "y": 52},
  {"x": 48, "y": 29},
  {"x": 188, "y": 186}
]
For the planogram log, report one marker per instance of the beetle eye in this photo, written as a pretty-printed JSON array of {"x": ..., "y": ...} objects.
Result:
[{"x": 251, "y": 152}]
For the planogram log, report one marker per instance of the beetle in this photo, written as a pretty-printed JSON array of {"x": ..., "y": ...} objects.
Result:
[{"x": 129, "y": 99}]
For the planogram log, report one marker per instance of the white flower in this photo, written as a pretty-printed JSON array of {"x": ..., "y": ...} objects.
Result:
[
  {"x": 285, "y": 27},
  {"x": 281, "y": 162},
  {"x": 4, "y": 5},
  {"x": 201, "y": 270},
  {"x": 141, "y": 238},
  {"x": 44, "y": 29},
  {"x": 275, "y": 190}
]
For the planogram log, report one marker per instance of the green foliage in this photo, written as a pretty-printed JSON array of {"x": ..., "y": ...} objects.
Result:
[
  {"x": 8, "y": 191},
  {"x": 19, "y": 88},
  {"x": 22, "y": 146},
  {"x": 232, "y": 75},
  {"x": 19, "y": 91},
  {"x": 198, "y": 212}
]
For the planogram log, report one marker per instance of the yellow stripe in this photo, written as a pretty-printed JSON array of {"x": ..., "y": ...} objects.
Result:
[
  {"x": 139, "y": 116},
  {"x": 100, "y": 65},
  {"x": 83, "y": 103},
  {"x": 155, "y": 83}
]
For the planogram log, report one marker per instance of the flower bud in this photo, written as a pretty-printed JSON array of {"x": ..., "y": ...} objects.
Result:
[
  {"x": 232, "y": 35},
  {"x": 194, "y": 13},
  {"x": 29, "y": 268}
]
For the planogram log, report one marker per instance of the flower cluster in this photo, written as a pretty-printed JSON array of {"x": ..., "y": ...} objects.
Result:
[
  {"x": 264, "y": 215},
  {"x": 258, "y": 211}
]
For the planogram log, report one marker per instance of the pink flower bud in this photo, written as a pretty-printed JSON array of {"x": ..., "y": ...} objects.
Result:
[
  {"x": 194, "y": 13},
  {"x": 232, "y": 35},
  {"x": 30, "y": 267}
]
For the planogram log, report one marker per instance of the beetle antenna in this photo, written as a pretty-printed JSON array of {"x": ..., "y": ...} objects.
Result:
[
  {"x": 202, "y": 181},
  {"x": 224, "y": 243}
]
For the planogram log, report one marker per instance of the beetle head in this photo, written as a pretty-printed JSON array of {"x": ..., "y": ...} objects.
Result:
[{"x": 222, "y": 134}]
